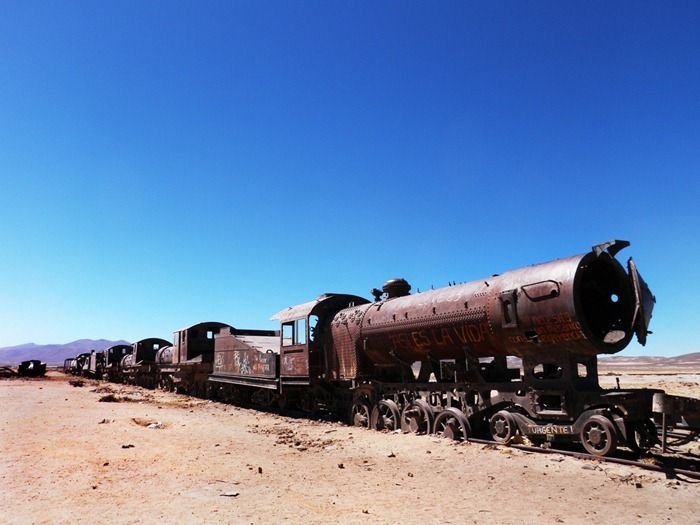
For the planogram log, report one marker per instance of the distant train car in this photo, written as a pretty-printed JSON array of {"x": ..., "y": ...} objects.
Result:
[
  {"x": 31, "y": 368},
  {"x": 249, "y": 359},
  {"x": 70, "y": 366},
  {"x": 186, "y": 364},
  {"x": 139, "y": 366},
  {"x": 92, "y": 364},
  {"x": 113, "y": 357},
  {"x": 82, "y": 364}
]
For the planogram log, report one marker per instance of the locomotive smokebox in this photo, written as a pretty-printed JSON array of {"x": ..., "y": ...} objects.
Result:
[{"x": 396, "y": 287}]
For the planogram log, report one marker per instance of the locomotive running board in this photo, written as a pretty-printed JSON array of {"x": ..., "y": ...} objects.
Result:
[
  {"x": 296, "y": 381},
  {"x": 260, "y": 382}
]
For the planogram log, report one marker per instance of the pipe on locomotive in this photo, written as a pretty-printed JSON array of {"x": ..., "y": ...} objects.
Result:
[{"x": 588, "y": 304}]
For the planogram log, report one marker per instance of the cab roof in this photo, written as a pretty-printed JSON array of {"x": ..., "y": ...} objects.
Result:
[{"x": 320, "y": 303}]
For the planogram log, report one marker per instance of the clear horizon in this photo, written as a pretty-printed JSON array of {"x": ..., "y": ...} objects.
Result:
[{"x": 167, "y": 163}]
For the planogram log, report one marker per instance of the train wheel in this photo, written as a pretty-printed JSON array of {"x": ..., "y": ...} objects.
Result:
[
  {"x": 212, "y": 392},
  {"x": 197, "y": 390},
  {"x": 360, "y": 414},
  {"x": 642, "y": 436},
  {"x": 503, "y": 426},
  {"x": 385, "y": 416},
  {"x": 283, "y": 402},
  {"x": 451, "y": 423},
  {"x": 417, "y": 417},
  {"x": 263, "y": 397},
  {"x": 598, "y": 436}
]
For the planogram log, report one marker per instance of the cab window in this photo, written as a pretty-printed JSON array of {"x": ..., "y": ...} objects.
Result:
[
  {"x": 313, "y": 328},
  {"x": 294, "y": 332}
]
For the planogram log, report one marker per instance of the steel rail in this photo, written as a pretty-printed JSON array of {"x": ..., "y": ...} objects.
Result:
[{"x": 669, "y": 471}]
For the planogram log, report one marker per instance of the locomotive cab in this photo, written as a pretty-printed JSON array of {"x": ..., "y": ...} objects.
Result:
[
  {"x": 145, "y": 350},
  {"x": 196, "y": 342},
  {"x": 306, "y": 350}
]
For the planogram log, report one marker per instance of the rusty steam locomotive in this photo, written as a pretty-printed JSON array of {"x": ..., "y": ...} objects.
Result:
[{"x": 512, "y": 354}]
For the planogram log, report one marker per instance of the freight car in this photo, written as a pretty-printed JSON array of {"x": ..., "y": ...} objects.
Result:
[{"x": 510, "y": 354}]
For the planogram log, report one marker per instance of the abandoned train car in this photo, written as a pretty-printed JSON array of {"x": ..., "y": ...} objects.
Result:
[
  {"x": 510, "y": 354},
  {"x": 185, "y": 365},
  {"x": 514, "y": 353}
]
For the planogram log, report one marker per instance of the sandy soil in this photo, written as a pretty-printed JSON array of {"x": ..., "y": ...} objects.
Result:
[{"x": 161, "y": 458}]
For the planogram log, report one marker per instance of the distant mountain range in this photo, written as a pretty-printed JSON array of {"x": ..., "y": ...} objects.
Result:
[
  {"x": 685, "y": 361},
  {"x": 54, "y": 354}
]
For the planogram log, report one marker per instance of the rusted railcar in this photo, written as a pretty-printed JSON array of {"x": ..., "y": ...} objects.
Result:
[
  {"x": 91, "y": 364},
  {"x": 512, "y": 353},
  {"x": 82, "y": 363},
  {"x": 70, "y": 366},
  {"x": 31, "y": 368},
  {"x": 186, "y": 364},
  {"x": 113, "y": 357},
  {"x": 246, "y": 365},
  {"x": 139, "y": 366}
]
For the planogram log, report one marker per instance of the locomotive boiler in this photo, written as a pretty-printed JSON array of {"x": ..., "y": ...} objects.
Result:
[{"x": 583, "y": 306}]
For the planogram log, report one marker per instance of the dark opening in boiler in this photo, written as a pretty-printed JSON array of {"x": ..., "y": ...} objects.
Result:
[{"x": 605, "y": 301}]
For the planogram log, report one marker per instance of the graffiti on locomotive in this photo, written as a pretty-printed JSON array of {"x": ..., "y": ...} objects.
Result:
[
  {"x": 440, "y": 337},
  {"x": 553, "y": 329}
]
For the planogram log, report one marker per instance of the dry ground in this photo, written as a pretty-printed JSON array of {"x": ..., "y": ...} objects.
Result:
[{"x": 160, "y": 458}]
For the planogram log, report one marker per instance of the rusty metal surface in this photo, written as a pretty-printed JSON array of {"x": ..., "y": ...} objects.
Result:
[
  {"x": 294, "y": 361},
  {"x": 644, "y": 302},
  {"x": 346, "y": 330},
  {"x": 262, "y": 343},
  {"x": 116, "y": 353},
  {"x": 164, "y": 356},
  {"x": 305, "y": 309},
  {"x": 145, "y": 349},
  {"x": 311, "y": 357},
  {"x": 584, "y": 305},
  {"x": 680, "y": 411},
  {"x": 246, "y": 353},
  {"x": 196, "y": 341}
]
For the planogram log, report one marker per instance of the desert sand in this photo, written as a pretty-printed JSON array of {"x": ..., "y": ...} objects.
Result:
[{"x": 156, "y": 457}]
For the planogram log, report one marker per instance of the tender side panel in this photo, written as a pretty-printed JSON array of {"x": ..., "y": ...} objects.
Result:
[{"x": 247, "y": 359}]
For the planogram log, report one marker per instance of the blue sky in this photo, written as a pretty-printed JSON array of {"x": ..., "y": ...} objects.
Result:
[{"x": 164, "y": 163}]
